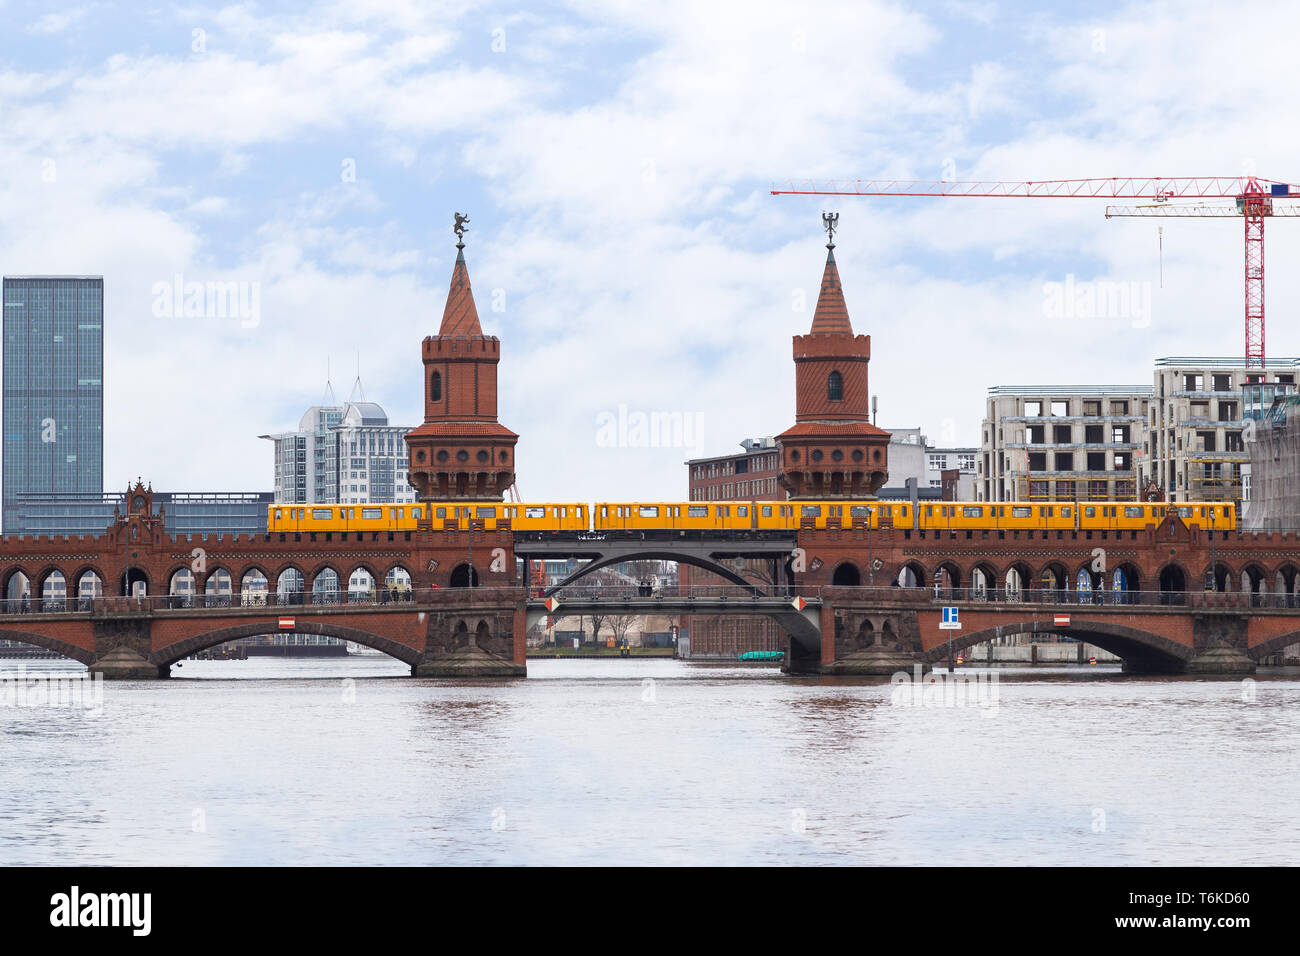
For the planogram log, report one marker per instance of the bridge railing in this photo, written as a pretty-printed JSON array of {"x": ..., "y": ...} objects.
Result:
[
  {"x": 248, "y": 600},
  {"x": 1069, "y": 597}
]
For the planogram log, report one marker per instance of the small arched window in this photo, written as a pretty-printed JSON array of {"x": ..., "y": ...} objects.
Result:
[
  {"x": 835, "y": 387},
  {"x": 435, "y": 387}
]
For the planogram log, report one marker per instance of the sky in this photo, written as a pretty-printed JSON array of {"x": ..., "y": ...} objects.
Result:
[{"x": 616, "y": 160}]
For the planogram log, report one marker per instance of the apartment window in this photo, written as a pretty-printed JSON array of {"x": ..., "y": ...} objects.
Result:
[
  {"x": 1037, "y": 461},
  {"x": 1193, "y": 383},
  {"x": 1223, "y": 383},
  {"x": 1033, "y": 409},
  {"x": 1119, "y": 434},
  {"x": 1205, "y": 441},
  {"x": 938, "y": 462},
  {"x": 1092, "y": 409},
  {"x": 1037, "y": 434},
  {"x": 1061, "y": 434},
  {"x": 1119, "y": 407},
  {"x": 1060, "y": 409},
  {"x": 1227, "y": 411},
  {"x": 1092, "y": 434},
  {"x": 1096, "y": 461},
  {"x": 1201, "y": 410},
  {"x": 1065, "y": 461},
  {"x": 966, "y": 462}
]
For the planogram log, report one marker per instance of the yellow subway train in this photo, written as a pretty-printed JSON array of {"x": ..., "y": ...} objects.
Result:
[{"x": 713, "y": 516}]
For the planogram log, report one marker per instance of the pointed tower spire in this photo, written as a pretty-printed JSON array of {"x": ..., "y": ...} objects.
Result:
[
  {"x": 459, "y": 316},
  {"x": 831, "y": 315}
]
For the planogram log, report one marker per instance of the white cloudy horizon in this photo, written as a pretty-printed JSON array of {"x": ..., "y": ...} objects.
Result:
[{"x": 616, "y": 161}]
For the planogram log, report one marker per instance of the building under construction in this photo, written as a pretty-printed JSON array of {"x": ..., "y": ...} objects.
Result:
[{"x": 1272, "y": 413}]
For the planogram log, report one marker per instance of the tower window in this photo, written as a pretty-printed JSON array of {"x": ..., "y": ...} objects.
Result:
[
  {"x": 435, "y": 387},
  {"x": 835, "y": 387}
]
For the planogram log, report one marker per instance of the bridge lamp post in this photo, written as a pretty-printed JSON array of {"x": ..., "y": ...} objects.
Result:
[
  {"x": 871, "y": 562},
  {"x": 1214, "y": 568}
]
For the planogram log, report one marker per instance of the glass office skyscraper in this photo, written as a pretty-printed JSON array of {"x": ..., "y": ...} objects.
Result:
[{"x": 53, "y": 394}]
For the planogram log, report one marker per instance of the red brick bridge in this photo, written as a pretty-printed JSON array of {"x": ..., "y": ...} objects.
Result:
[{"x": 1133, "y": 593}]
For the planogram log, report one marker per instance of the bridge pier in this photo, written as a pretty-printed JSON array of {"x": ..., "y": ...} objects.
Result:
[
  {"x": 475, "y": 633},
  {"x": 1220, "y": 646},
  {"x": 122, "y": 648}
]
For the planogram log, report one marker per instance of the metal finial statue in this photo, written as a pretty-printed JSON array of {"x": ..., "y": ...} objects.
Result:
[
  {"x": 830, "y": 222},
  {"x": 462, "y": 223}
]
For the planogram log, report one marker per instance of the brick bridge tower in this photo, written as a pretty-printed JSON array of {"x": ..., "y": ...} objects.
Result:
[
  {"x": 833, "y": 450},
  {"x": 461, "y": 452}
]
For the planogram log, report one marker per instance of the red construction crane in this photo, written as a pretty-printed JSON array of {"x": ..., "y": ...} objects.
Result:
[{"x": 1253, "y": 198}]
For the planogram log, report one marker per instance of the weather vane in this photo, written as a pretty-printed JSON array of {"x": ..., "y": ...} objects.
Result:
[
  {"x": 462, "y": 223},
  {"x": 830, "y": 221}
]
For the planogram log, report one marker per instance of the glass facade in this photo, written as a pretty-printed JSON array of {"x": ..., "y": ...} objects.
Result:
[
  {"x": 53, "y": 389},
  {"x": 186, "y": 513}
]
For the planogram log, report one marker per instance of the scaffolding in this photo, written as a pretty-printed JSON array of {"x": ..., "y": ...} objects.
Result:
[{"x": 1274, "y": 445}]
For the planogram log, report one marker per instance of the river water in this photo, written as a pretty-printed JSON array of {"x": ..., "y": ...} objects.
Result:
[{"x": 349, "y": 761}]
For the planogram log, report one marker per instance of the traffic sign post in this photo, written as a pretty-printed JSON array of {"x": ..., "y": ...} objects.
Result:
[{"x": 950, "y": 622}]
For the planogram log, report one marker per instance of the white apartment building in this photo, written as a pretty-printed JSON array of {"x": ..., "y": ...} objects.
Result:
[
  {"x": 1067, "y": 443},
  {"x": 346, "y": 454},
  {"x": 1182, "y": 435}
]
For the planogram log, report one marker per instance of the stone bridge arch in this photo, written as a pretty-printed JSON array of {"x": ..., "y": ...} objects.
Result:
[
  {"x": 79, "y": 654},
  {"x": 169, "y": 655},
  {"x": 1274, "y": 645},
  {"x": 1141, "y": 651}
]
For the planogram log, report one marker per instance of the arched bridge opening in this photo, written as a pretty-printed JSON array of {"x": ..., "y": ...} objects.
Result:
[
  {"x": 201, "y": 642},
  {"x": 1141, "y": 651}
]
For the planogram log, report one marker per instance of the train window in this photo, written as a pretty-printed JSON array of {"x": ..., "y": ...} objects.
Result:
[
  {"x": 742, "y": 511},
  {"x": 371, "y": 513},
  {"x": 535, "y": 512},
  {"x": 697, "y": 511},
  {"x": 1089, "y": 512},
  {"x": 415, "y": 513},
  {"x": 1048, "y": 511},
  {"x": 648, "y": 511},
  {"x": 488, "y": 512},
  {"x": 1065, "y": 512},
  {"x": 1184, "y": 512},
  {"x": 1133, "y": 511},
  {"x": 810, "y": 511},
  {"x": 442, "y": 512},
  {"x": 277, "y": 514},
  {"x": 1021, "y": 512},
  {"x": 562, "y": 511},
  {"x": 972, "y": 512},
  {"x": 929, "y": 510},
  {"x": 858, "y": 511},
  {"x": 767, "y": 511},
  {"x": 322, "y": 514}
]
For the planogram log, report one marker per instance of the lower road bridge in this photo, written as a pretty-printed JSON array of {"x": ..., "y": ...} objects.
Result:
[{"x": 480, "y": 632}]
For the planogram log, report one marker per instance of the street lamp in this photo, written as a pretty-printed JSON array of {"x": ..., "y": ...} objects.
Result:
[
  {"x": 1214, "y": 569},
  {"x": 871, "y": 563}
]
